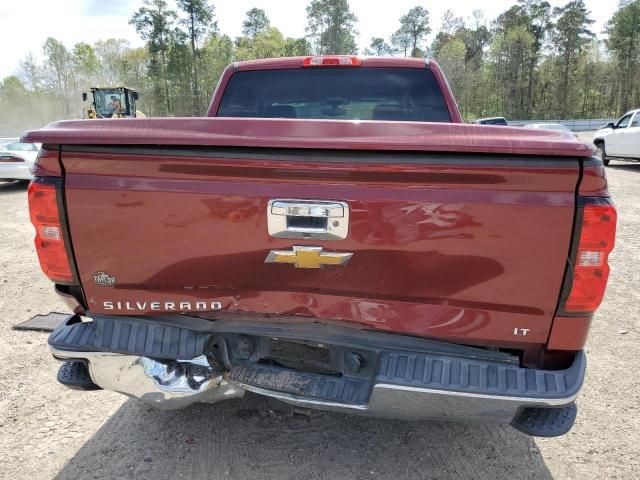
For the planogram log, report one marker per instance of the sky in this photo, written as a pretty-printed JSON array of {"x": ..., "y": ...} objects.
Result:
[{"x": 26, "y": 24}]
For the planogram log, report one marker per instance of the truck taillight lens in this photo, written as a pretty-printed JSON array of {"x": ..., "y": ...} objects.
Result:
[
  {"x": 49, "y": 241},
  {"x": 591, "y": 270}
]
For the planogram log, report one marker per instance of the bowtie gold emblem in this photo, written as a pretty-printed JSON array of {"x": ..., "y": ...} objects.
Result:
[{"x": 308, "y": 257}]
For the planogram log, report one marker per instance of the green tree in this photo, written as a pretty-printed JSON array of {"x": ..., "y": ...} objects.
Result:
[
  {"x": 266, "y": 44},
  {"x": 331, "y": 25},
  {"x": 13, "y": 98},
  {"x": 623, "y": 40},
  {"x": 180, "y": 74},
  {"x": 31, "y": 73},
  {"x": 134, "y": 67},
  {"x": 570, "y": 36},
  {"x": 451, "y": 60},
  {"x": 256, "y": 22},
  {"x": 476, "y": 38},
  {"x": 539, "y": 14},
  {"x": 449, "y": 28},
  {"x": 199, "y": 22},
  {"x": 401, "y": 40},
  {"x": 58, "y": 60},
  {"x": 450, "y": 24},
  {"x": 217, "y": 52},
  {"x": 269, "y": 43},
  {"x": 297, "y": 47},
  {"x": 378, "y": 47},
  {"x": 414, "y": 26},
  {"x": 154, "y": 22},
  {"x": 12, "y": 88},
  {"x": 509, "y": 52},
  {"x": 109, "y": 54},
  {"x": 519, "y": 36},
  {"x": 60, "y": 71},
  {"x": 85, "y": 63},
  {"x": 473, "y": 91}
]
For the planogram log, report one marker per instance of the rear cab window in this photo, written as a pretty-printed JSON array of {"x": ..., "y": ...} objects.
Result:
[{"x": 389, "y": 94}]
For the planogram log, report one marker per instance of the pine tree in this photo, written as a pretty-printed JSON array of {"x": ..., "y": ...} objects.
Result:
[
  {"x": 256, "y": 22},
  {"x": 570, "y": 36},
  {"x": 623, "y": 41},
  {"x": 154, "y": 22},
  {"x": 378, "y": 47},
  {"x": 199, "y": 21},
  {"x": 331, "y": 25}
]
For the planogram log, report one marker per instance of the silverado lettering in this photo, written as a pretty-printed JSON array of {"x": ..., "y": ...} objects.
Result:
[
  {"x": 166, "y": 306},
  {"x": 347, "y": 243}
]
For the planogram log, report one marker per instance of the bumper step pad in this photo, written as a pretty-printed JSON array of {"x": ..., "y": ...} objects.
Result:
[
  {"x": 546, "y": 422},
  {"x": 479, "y": 377},
  {"x": 338, "y": 389},
  {"x": 130, "y": 337},
  {"x": 75, "y": 375}
]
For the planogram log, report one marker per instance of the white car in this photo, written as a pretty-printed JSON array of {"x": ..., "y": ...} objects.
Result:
[
  {"x": 17, "y": 159},
  {"x": 620, "y": 139}
]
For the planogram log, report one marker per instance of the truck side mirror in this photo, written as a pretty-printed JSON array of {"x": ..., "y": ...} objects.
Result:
[
  {"x": 135, "y": 95},
  {"x": 610, "y": 125},
  {"x": 84, "y": 96}
]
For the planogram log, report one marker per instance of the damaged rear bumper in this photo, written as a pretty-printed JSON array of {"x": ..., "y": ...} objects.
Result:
[{"x": 174, "y": 362}]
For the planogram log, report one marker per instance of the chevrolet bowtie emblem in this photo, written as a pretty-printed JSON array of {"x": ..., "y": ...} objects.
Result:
[{"x": 308, "y": 257}]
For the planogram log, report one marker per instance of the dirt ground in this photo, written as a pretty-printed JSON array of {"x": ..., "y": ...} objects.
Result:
[{"x": 47, "y": 431}]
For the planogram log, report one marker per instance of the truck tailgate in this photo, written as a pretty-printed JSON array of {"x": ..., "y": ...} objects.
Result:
[{"x": 445, "y": 245}]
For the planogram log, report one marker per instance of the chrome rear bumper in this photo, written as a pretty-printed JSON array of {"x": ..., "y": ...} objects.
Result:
[
  {"x": 173, "y": 362},
  {"x": 172, "y": 384}
]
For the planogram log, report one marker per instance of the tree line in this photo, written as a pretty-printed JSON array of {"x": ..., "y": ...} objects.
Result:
[{"x": 532, "y": 61}]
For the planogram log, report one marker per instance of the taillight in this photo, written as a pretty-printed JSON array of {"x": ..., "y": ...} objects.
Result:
[
  {"x": 591, "y": 270},
  {"x": 335, "y": 60},
  {"x": 49, "y": 241}
]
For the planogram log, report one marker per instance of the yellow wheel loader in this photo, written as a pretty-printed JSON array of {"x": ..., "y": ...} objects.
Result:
[{"x": 116, "y": 102}]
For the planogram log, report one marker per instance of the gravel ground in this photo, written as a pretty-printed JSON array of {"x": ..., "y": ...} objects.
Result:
[{"x": 48, "y": 431}]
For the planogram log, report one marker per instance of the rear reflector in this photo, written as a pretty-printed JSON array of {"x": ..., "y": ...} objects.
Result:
[
  {"x": 591, "y": 270},
  {"x": 335, "y": 60},
  {"x": 45, "y": 217}
]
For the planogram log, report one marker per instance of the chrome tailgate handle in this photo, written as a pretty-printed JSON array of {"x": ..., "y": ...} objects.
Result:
[
  {"x": 297, "y": 208},
  {"x": 308, "y": 219}
]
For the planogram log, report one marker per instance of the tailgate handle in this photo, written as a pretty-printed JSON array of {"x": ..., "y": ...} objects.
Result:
[{"x": 308, "y": 219}]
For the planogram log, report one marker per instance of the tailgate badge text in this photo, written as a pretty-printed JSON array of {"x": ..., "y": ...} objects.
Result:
[
  {"x": 103, "y": 279},
  {"x": 174, "y": 306}
]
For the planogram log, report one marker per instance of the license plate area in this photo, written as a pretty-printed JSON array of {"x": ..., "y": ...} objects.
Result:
[{"x": 301, "y": 356}]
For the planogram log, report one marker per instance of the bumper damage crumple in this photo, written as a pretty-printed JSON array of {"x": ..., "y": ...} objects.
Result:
[
  {"x": 176, "y": 361},
  {"x": 165, "y": 385}
]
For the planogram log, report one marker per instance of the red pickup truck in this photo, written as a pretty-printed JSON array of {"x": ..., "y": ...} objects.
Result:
[{"x": 331, "y": 235}]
